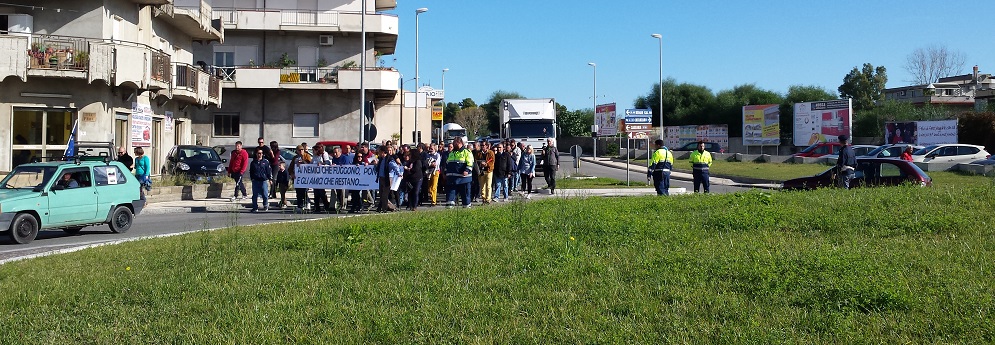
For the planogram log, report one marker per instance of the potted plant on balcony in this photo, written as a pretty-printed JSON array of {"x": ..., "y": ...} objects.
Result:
[{"x": 82, "y": 59}]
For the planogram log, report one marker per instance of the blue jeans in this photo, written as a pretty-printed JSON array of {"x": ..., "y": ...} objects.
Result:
[
  {"x": 661, "y": 181},
  {"x": 516, "y": 181},
  {"x": 700, "y": 179},
  {"x": 260, "y": 189},
  {"x": 239, "y": 184},
  {"x": 501, "y": 186},
  {"x": 462, "y": 188},
  {"x": 846, "y": 177}
]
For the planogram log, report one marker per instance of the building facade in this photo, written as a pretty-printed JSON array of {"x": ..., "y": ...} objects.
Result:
[
  {"x": 120, "y": 70},
  {"x": 957, "y": 92},
  {"x": 291, "y": 72}
]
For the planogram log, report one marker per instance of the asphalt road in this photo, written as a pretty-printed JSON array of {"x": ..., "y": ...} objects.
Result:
[{"x": 166, "y": 224}]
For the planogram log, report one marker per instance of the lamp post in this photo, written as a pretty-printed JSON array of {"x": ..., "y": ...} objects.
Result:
[
  {"x": 660, "y": 38},
  {"x": 417, "y": 13},
  {"x": 595, "y": 108},
  {"x": 444, "y": 70}
]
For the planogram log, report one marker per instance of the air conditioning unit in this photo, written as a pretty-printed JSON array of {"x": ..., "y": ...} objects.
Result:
[{"x": 325, "y": 40}]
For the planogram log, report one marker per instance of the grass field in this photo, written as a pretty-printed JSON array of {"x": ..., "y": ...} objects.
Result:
[
  {"x": 886, "y": 265},
  {"x": 637, "y": 180}
]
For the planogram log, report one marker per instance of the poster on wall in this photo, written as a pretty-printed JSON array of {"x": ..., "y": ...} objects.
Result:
[
  {"x": 606, "y": 119},
  {"x": 761, "y": 125},
  {"x": 141, "y": 125},
  {"x": 678, "y": 136},
  {"x": 822, "y": 121},
  {"x": 168, "y": 125},
  {"x": 922, "y": 133}
]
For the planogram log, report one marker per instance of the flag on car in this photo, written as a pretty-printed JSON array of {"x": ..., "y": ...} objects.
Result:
[{"x": 71, "y": 145}]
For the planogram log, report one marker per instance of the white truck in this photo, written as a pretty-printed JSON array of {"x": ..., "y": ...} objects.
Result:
[
  {"x": 529, "y": 121},
  {"x": 452, "y": 130}
]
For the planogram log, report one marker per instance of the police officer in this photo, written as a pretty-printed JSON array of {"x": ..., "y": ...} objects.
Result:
[
  {"x": 659, "y": 168},
  {"x": 700, "y": 161},
  {"x": 846, "y": 162}
]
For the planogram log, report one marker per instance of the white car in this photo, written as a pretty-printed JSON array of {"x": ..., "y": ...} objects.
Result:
[
  {"x": 950, "y": 153},
  {"x": 891, "y": 150},
  {"x": 858, "y": 150}
]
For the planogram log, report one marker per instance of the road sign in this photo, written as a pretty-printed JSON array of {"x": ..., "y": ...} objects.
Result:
[
  {"x": 638, "y": 128},
  {"x": 638, "y": 135},
  {"x": 644, "y": 112}
]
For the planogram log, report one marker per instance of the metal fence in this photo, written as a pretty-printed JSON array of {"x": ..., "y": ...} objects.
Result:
[{"x": 59, "y": 52}]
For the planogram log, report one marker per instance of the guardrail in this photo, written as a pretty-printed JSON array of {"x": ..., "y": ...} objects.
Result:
[{"x": 214, "y": 88}]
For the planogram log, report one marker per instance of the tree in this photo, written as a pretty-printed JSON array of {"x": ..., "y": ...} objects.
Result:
[
  {"x": 865, "y": 86},
  {"x": 576, "y": 123},
  {"x": 928, "y": 65},
  {"x": 473, "y": 119},
  {"x": 467, "y": 103},
  {"x": 493, "y": 116},
  {"x": 682, "y": 103},
  {"x": 449, "y": 112}
]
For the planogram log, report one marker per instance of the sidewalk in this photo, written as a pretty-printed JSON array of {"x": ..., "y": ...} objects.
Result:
[{"x": 683, "y": 176}]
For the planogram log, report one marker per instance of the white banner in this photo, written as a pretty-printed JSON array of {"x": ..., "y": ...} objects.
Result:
[
  {"x": 936, "y": 132},
  {"x": 352, "y": 177}
]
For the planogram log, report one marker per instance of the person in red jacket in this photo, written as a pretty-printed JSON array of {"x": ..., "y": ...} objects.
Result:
[
  {"x": 907, "y": 154},
  {"x": 236, "y": 169}
]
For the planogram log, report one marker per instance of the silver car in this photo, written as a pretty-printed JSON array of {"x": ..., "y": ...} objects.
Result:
[{"x": 950, "y": 153}]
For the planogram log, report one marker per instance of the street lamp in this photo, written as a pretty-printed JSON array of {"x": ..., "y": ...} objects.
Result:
[
  {"x": 417, "y": 80},
  {"x": 660, "y": 37},
  {"x": 595, "y": 98},
  {"x": 444, "y": 70}
]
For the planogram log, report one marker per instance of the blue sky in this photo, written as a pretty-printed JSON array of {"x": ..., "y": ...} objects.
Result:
[{"x": 541, "y": 48}]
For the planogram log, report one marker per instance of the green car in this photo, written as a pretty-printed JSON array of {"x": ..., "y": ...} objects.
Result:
[{"x": 68, "y": 196}]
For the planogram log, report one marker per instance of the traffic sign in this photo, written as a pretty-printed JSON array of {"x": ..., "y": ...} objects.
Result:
[{"x": 630, "y": 112}]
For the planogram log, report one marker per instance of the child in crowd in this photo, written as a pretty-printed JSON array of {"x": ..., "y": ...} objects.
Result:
[{"x": 282, "y": 183}]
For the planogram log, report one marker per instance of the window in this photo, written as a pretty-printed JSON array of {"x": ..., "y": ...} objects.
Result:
[
  {"x": 891, "y": 170},
  {"x": 901, "y": 93},
  {"x": 226, "y": 125},
  {"x": 966, "y": 150},
  {"x": 108, "y": 175},
  {"x": 305, "y": 125},
  {"x": 75, "y": 178}
]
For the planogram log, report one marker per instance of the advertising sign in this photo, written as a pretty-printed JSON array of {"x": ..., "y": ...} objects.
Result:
[
  {"x": 168, "y": 122},
  {"x": 352, "y": 177},
  {"x": 922, "y": 133},
  {"x": 822, "y": 121},
  {"x": 677, "y": 136},
  {"x": 436, "y": 113},
  {"x": 761, "y": 125},
  {"x": 606, "y": 119},
  {"x": 141, "y": 125}
]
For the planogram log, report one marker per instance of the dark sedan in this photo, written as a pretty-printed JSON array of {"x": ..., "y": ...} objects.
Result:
[
  {"x": 197, "y": 162},
  {"x": 710, "y": 147},
  {"x": 870, "y": 172}
]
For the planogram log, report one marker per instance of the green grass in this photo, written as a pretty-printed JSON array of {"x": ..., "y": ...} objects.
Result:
[
  {"x": 885, "y": 265},
  {"x": 636, "y": 180}
]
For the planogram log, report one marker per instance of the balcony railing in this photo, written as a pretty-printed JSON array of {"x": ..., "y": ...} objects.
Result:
[
  {"x": 161, "y": 67},
  {"x": 308, "y": 74},
  {"x": 186, "y": 77},
  {"x": 309, "y": 18},
  {"x": 59, "y": 53},
  {"x": 214, "y": 88}
]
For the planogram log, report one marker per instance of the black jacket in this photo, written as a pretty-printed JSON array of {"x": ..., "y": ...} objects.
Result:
[
  {"x": 416, "y": 171},
  {"x": 502, "y": 165}
]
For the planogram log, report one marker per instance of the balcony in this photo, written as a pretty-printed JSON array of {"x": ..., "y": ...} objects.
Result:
[
  {"x": 306, "y": 20},
  {"x": 306, "y": 77},
  {"x": 191, "y": 84},
  {"x": 58, "y": 56},
  {"x": 152, "y": 2},
  {"x": 193, "y": 17}
]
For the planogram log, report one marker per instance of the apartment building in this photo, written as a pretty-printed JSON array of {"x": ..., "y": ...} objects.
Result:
[
  {"x": 957, "y": 92},
  {"x": 120, "y": 69},
  {"x": 291, "y": 72}
]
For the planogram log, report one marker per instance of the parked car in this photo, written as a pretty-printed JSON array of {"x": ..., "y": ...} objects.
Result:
[
  {"x": 950, "y": 153},
  {"x": 68, "y": 196},
  {"x": 819, "y": 150},
  {"x": 890, "y": 150},
  {"x": 224, "y": 151},
  {"x": 710, "y": 147},
  {"x": 869, "y": 172},
  {"x": 858, "y": 150},
  {"x": 196, "y": 162}
]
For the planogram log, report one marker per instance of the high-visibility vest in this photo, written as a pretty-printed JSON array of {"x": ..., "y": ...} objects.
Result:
[
  {"x": 662, "y": 160},
  {"x": 700, "y": 160},
  {"x": 458, "y": 162}
]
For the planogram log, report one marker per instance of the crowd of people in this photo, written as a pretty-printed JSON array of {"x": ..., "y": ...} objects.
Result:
[{"x": 409, "y": 176}]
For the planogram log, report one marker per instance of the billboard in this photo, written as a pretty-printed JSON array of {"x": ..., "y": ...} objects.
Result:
[
  {"x": 606, "y": 119},
  {"x": 822, "y": 121},
  {"x": 761, "y": 125},
  {"x": 923, "y": 133},
  {"x": 677, "y": 136}
]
